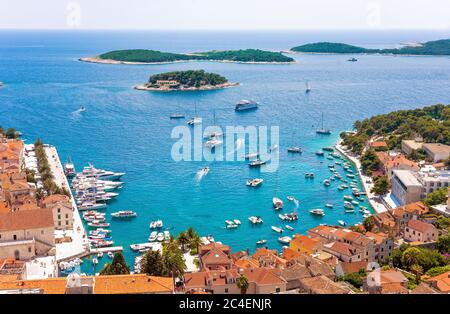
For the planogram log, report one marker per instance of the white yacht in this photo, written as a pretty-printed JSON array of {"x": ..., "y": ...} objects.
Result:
[
  {"x": 153, "y": 236},
  {"x": 195, "y": 120},
  {"x": 254, "y": 182},
  {"x": 255, "y": 220},
  {"x": 277, "y": 203},
  {"x": 317, "y": 211},
  {"x": 246, "y": 105},
  {"x": 277, "y": 229},
  {"x": 284, "y": 240}
]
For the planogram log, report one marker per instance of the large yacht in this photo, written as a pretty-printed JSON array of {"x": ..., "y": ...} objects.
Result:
[{"x": 246, "y": 105}]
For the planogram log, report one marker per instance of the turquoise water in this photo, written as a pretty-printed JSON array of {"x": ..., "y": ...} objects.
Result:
[{"x": 128, "y": 130}]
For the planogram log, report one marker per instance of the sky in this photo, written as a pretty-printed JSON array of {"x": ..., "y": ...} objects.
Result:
[{"x": 225, "y": 14}]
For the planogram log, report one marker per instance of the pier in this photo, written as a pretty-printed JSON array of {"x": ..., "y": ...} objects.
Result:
[{"x": 106, "y": 249}]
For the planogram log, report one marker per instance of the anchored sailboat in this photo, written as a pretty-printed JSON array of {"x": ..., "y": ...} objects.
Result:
[{"x": 322, "y": 130}]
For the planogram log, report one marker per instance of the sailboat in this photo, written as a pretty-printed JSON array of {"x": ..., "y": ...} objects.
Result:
[
  {"x": 322, "y": 130},
  {"x": 294, "y": 149},
  {"x": 195, "y": 119},
  {"x": 308, "y": 88}
]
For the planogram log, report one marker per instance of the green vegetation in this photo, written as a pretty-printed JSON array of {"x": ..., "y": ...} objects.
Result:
[
  {"x": 442, "y": 223},
  {"x": 153, "y": 56},
  {"x": 381, "y": 185},
  {"x": 436, "y": 271},
  {"x": 369, "y": 223},
  {"x": 436, "y": 197},
  {"x": 242, "y": 283},
  {"x": 10, "y": 133},
  {"x": 370, "y": 162},
  {"x": 431, "y": 123},
  {"x": 443, "y": 244},
  {"x": 355, "y": 279},
  {"x": 406, "y": 257},
  {"x": 438, "y": 47},
  {"x": 118, "y": 266},
  {"x": 191, "y": 78}
]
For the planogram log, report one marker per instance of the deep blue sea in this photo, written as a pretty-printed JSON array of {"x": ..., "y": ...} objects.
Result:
[{"x": 128, "y": 130}]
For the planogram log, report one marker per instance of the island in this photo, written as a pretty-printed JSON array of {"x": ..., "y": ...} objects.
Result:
[
  {"x": 143, "y": 56},
  {"x": 185, "y": 81},
  {"x": 438, "y": 47}
]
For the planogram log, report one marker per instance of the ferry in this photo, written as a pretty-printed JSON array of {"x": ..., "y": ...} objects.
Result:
[
  {"x": 317, "y": 211},
  {"x": 124, "y": 214},
  {"x": 246, "y": 105},
  {"x": 261, "y": 242},
  {"x": 255, "y": 220},
  {"x": 276, "y": 229},
  {"x": 284, "y": 240},
  {"x": 257, "y": 163},
  {"x": 277, "y": 203},
  {"x": 254, "y": 182},
  {"x": 177, "y": 116}
]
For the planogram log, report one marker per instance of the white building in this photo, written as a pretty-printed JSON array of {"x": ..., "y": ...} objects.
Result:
[
  {"x": 406, "y": 187},
  {"x": 437, "y": 151}
]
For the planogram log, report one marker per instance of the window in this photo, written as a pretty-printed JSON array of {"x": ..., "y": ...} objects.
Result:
[
  {"x": 226, "y": 290},
  {"x": 67, "y": 222},
  {"x": 67, "y": 216},
  {"x": 42, "y": 231},
  {"x": 15, "y": 238},
  {"x": 59, "y": 223},
  {"x": 59, "y": 210},
  {"x": 277, "y": 290},
  {"x": 59, "y": 216},
  {"x": 29, "y": 249}
]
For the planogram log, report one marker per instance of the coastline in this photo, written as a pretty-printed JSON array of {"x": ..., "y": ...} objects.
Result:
[
  {"x": 144, "y": 87},
  {"x": 293, "y": 52},
  {"x": 377, "y": 206},
  {"x": 96, "y": 59}
]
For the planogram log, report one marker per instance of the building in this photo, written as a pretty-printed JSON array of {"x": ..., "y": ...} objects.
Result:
[
  {"x": 406, "y": 188},
  {"x": 419, "y": 231},
  {"x": 378, "y": 145},
  {"x": 344, "y": 251},
  {"x": 345, "y": 268},
  {"x": 390, "y": 281},
  {"x": 306, "y": 245},
  {"x": 433, "y": 180},
  {"x": 26, "y": 234},
  {"x": 408, "y": 146},
  {"x": 215, "y": 256},
  {"x": 322, "y": 285},
  {"x": 392, "y": 162},
  {"x": 62, "y": 210},
  {"x": 437, "y": 151},
  {"x": 441, "y": 282}
]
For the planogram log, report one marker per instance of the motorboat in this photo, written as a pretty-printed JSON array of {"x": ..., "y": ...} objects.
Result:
[
  {"x": 291, "y": 199},
  {"x": 166, "y": 235},
  {"x": 229, "y": 222},
  {"x": 177, "y": 116},
  {"x": 91, "y": 206},
  {"x": 255, "y": 220},
  {"x": 261, "y": 242},
  {"x": 295, "y": 150},
  {"x": 282, "y": 217},
  {"x": 69, "y": 169},
  {"x": 236, "y": 221},
  {"x": 341, "y": 222},
  {"x": 157, "y": 224},
  {"x": 254, "y": 182},
  {"x": 232, "y": 226},
  {"x": 348, "y": 198},
  {"x": 328, "y": 149},
  {"x": 348, "y": 205},
  {"x": 284, "y": 240},
  {"x": 91, "y": 171},
  {"x": 277, "y": 203},
  {"x": 100, "y": 254},
  {"x": 329, "y": 205},
  {"x": 327, "y": 182},
  {"x": 317, "y": 211},
  {"x": 291, "y": 217},
  {"x": 96, "y": 224},
  {"x": 153, "y": 236},
  {"x": 289, "y": 227},
  {"x": 213, "y": 143},
  {"x": 194, "y": 121},
  {"x": 309, "y": 175},
  {"x": 352, "y": 60},
  {"x": 277, "y": 229},
  {"x": 94, "y": 261},
  {"x": 320, "y": 153},
  {"x": 160, "y": 237},
  {"x": 110, "y": 254},
  {"x": 256, "y": 163},
  {"x": 124, "y": 214},
  {"x": 246, "y": 105}
]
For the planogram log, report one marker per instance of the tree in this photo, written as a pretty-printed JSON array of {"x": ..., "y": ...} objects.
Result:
[
  {"x": 242, "y": 283},
  {"x": 370, "y": 162},
  {"x": 381, "y": 185},
  {"x": 183, "y": 240},
  {"x": 11, "y": 133},
  {"x": 436, "y": 197},
  {"x": 118, "y": 266},
  {"x": 418, "y": 271},
  {"x": 443, "y": 244},
  {"x": 39, "y": 195},
  {"x": 369, "y": 223},
  {"x": 410, "y": 256},
  {"x": 151, "y": 263},
  {"x": 172, "y": 260}
]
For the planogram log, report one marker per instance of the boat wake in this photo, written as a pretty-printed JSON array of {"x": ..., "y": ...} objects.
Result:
[
  {"x": 77, "y": 114},
  {"x": 296, "y": 203},
  {"x": 201, "y": 174}
]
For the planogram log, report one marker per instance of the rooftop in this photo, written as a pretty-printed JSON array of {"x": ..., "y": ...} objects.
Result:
[
  {"x": 407, "y": 177},
  {"x": 29, "y": 219},
  {"x": 437, "y": 148}
]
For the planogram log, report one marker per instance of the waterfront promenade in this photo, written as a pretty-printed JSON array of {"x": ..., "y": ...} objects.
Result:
[
  {"x": 79, "y": 245},
  {"x": 366, "y": 181}
]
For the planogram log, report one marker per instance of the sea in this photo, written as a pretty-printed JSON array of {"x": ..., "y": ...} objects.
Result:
[{"x": 127, "y": 130}]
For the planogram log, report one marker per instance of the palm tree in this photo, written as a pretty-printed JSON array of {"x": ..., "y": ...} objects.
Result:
[
  {"x": 411, "y": 256},
  {"x": 242, "y": 284},
  {"x": 183, "y": 240},
  {"x": 172, "y": 260},
  {"x": 38, "y": 195},
  {"x": 418, "y": 271}
]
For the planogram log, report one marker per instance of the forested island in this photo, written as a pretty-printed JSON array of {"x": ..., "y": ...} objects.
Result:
[
  {"x": 142, "y": 56},
  {"x": 185, "y": 81},
  {"x": 438, "y": 47},
  {"x": 430, "y": 123}
]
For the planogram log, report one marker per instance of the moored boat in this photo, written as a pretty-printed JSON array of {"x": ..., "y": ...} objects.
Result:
[
  {"x": 317, "y": 211},
  {"x": 277, "y": 203},
  {"x": 277, "y": 229},
  {"x": 124, "y": 214},
  {"x": 254, "y": 182}
]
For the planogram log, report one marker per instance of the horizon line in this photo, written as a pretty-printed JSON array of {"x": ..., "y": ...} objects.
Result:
[{"x": 227, "y": 29}]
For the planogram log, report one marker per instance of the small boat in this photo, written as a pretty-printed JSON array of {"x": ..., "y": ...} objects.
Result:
[
  {"x": 320, "y": 153},
  {"x": 69, "y": 168},
  {"x": 356, "y": 203},
  {"x": 195, "y": 120},
  {"x": 322, "y": 130},
  {"x": 160, "y": 237},
  {"x": 254, "y": 182},
  {"x": 156, "y": 224},
  {"x": 341, "y": 222},
  {"x": 236, "y": 221},
  {"x": 326, "y": 182},
  {"x": 261, "y": 242},
  {"x": 348, "y": 205},
  {"x": 98, "y": 224},
  {"x": 291, "y": 217},
  {"x": 212, "y": 143},
  {"x": 282, "y": 217},
  {"x": 153, "y": 236},
  {"x": 166, "y": 235},
  {"x": 277, "y": 229},
  {"x": 348, "y": 197},
  {"x": 246, "y": 105},
  {"x": 124, "y": 214},
  {"x": 291, "y": 198},
  {"x": 349, "y": 175},
  {"x": 232, "y": 226},
  {"x": 289, "y": 227},
  {"x": 229, "y": 222},
  {"x": 352, "y": 60},
  {"x": 95, "y": 261},
  {"x": 317, "y": 211},
  {"x": 329, "y": 205},
  {"x": 277, "y": 203},
  {"x": 177, "y": 116},
  {"x": 284, "y": 240},
  {"x": 205, "y": 170},
  {"x": 100, "y": 254},
  {"x": 255, "y": 220},
  {"x": 110, "y": 254},
  {"x": 328, "y": 149},
  {"x": 257, "y": 163},
  {"x": 309, "y": 175},
  {"x": 295, "y": 149}
]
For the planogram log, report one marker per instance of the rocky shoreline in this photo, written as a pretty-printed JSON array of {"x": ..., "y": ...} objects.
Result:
[{"x": 145, "y": 87}]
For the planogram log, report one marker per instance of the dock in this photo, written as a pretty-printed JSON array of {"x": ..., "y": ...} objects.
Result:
[{"x": 106, "y": 249}]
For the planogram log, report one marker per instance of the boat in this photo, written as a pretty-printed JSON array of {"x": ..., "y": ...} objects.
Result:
[
  {"x": 124, "y": 214},
  {"x": 348, "y": 205},
  {"x": 282, "y": 217},
  {"x": 320, "y": 153},
  {"x": 291, "y": 216},
  {"x": 328, "y": 149},
  {"x": 177, "y": 116},
  {"x": 329, "y": 205},
  {"x": 349, "y": 175},
  {"x": 255, "y": 220},
  {"x": 251, "y": 155},
  {"x": 352, "y": 60},
  {"x": 261, "y": 242},
  {"x": 257, "y": 163},
  {"x": 153, "y": 236},
  {"x": 277, "y": 203},
  {"x": 317, "y": 211},
  {"x": 157, "y": 224},
  {"x": 327, "y": 182},
  {"x": 295, "y": 149},
  {"x": 166, "y": 235},
  {"x": 291, "y": 198},
  {"x": 341, "y": 222},
  {"x": 322, "y": 130},
  {"x": 277, "y": 229},
  {"x": 229, "y": 222},
  {"x": 94, "y": 261},
  {"x": 348, "y": 197},
  {"x": 289, "y": 227},
  {"x": 96, "y": 224},
  {"x": 195, "y": 120},
  {"x": 110, "y": 254},
  {"x": 356, "y": 203},
  {"x": 246, "y": 105},
  {"x": 232, "y": 226},
  {"x": 308, "y": 88},
  {"x": 236, "y": 221},
  {"x": 284, "y": 240},
  {"x": 100, "y": 254},
  {"x": 69, "y": 168},
  {"x": 254, "y": 182},
  {"x": 160, "y": 237},
  {"x": 91, "y": 171},
  {"x": 309, "y": 175},
  {"x": 213, "y": 142},
  {"x": 91, "y": 206}
]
